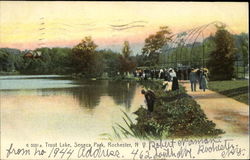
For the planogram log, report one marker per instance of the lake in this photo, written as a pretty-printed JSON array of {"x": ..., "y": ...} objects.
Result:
[{"x": 52, "y": 107}]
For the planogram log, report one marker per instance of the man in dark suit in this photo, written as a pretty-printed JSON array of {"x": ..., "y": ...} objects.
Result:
[{"x": 150, "y": 99}]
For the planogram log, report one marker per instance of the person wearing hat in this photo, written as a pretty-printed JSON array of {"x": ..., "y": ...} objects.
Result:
[
  {"x": 193, "y": 79},
  {"x": 150, "y": 99},
  {"x": 204, "y": 81}
]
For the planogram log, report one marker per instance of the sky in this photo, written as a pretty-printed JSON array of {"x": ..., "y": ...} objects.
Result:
[{"x": 30, "y": 25}]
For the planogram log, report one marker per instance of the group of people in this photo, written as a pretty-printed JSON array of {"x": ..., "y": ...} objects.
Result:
[
  {"x": 170, "y": 79},
  {"x": 200, "y": 76},
  {"x": 168, "y": 75},
  {"x": 163, "y": 73}
]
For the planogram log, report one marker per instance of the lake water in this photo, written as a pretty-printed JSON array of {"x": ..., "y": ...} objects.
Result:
[{"x": 55, "y": 107}]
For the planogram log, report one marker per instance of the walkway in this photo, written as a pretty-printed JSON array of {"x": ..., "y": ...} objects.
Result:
[{"x": 227, "y": 113}]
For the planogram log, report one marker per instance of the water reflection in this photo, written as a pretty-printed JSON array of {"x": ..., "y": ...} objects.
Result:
[
  {"x": 90, "y": 92},
  {"x": 59, "y": 108},
  {"x": 89, "y": 95},
  {"x": 87, "y": 92},
  {"x": 122, "y": 92}
]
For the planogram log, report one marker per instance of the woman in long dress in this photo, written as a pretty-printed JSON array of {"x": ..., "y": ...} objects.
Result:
[
  {"x": 204, "y": 81},
  {"x": 174, "y": 80},
  {"x": 175, "y": 84}
]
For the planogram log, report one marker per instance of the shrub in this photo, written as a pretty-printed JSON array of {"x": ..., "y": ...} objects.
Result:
[{"x": 175, "y": 115}]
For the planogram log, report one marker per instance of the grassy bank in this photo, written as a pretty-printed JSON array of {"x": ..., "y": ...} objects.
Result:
[
  {"x": 175, "y": 115},
  {"x": 236, "y": 89},
  {"x": 2, "y": 73}
]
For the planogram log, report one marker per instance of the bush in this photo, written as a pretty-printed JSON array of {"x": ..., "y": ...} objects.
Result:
[{"x": 175, "y": 115}]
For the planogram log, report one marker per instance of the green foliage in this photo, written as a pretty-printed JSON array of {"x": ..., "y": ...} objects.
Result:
[
  {"x": 125, "y": 61},
  {"x": 126, "y": 65},
  {"x": 139, "y": 60},
  {"x": 51, "y": 61},
  {"x": 241, "y": 42},
  {"x": 154, "y": 43},
  {"x": 62, "y": 61},
  {"x": 110, "y": 61},
  {"x": 176, "y": 115},
  {"x": 85, "y": 59},
  {"x": 126, "y": 51},
  {"x": 221, "y": 62},
  {"x": 5, "y": 62},
  {"x": 10, "y": 60}
]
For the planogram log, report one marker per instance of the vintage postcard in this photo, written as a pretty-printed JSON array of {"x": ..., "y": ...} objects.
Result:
[{"x": 124, "y": 80}]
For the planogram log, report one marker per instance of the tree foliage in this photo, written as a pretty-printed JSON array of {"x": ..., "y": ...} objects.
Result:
[
  {"x": 154, "y": 43},
  {"x": 85, "y": 58},
  {"x": 221, "y": 62},
  {"x": 242, "y": 41},
  {"x": 126, "y": 51},
  {"x": 51, "y": 61},
  {"x": 126, "y": 62}
]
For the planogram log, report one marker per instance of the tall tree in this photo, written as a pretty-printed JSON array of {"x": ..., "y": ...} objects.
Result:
[
  {"x": 126, "y": 63},
  {"x": 126, "y": 51},
  {"x": 154, "y": 43},
  {"x": 221, "y": 62},
  {"x": 84, "y": 57}
]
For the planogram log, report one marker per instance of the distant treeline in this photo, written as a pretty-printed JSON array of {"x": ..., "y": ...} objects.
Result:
[
  {"x": 85, "y": 58},
  {"x": 66, "y": 61}
]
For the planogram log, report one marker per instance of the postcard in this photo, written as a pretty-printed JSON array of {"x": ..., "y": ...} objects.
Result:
[{"x": 124, "y": 80}]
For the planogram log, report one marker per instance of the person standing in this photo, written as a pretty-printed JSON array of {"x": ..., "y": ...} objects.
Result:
[
  {"x": 150, "y": 99},
  {"x": 174, "y": 80},
  {"x": 172, "y": 74},
  {"x": 204, "y": 81},
  {"x": 161, "y": 74},
  {"x": 193, "y": 79},
  {"x": 167, "y": 76},
  {"x": 152, "y": 72},
  {"x": 175, "y": 84},
  {"x": 198, "y": 72}
]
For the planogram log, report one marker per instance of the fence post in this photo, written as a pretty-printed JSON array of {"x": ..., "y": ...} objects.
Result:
[
  {"x": 237, "y": 69},
  {"x": 244, "y": 70}
]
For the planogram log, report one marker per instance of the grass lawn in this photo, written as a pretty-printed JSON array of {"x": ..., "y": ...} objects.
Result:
[{"x": 237, "y": 89}]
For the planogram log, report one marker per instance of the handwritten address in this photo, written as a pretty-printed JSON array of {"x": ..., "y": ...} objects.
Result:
[{"x": 161, "y": 149}]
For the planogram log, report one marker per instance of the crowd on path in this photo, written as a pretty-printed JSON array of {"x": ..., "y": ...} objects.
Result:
[
  {"x": 164, "y": 73},
  {"x": 169, "y": 76}
]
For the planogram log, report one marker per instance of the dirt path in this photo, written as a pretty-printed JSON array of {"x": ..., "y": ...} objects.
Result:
[{"x": 227, "y": 113}]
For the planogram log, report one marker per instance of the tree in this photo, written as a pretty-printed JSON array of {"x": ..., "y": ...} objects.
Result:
[
  {"x": 85, "y": 58},
  {"x": 10, "y": 59},
  {"x": 126, "y": 63},
  {"x": 154, "y": 43},
  {"x": 111, "y": 61},
  {"x": 126, "y": 51},
  {"x": 5, "y": 62},
  {"x": 60, "y": 60},
  {"x": 221, "y": 62},
  {"x": 242, "y": 46}
]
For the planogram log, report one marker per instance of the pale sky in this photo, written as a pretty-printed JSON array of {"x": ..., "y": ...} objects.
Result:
[{"x": 29, "y": 25}]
